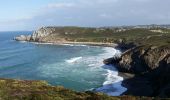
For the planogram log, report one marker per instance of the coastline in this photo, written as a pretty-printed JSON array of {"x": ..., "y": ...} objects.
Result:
[
  {"x": 122, "y": 75},
  {"x": 153, "y": 48},
  {"x": 78, "y": 43}
]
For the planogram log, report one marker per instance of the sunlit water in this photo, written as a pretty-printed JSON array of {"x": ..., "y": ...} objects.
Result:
[{"x": 77, "y": 67}]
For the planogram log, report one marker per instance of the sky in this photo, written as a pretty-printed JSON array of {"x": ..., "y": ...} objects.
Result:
[{"x": 33, "y": 14}]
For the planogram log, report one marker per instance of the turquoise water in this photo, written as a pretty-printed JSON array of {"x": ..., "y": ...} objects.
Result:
[{"x": 77, "y": 67}]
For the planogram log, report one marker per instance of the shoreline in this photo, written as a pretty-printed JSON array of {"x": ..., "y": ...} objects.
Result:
[
  {"x": 111, "y": 45},
  {"x": 153, "y": 49},
  {"x": 125, "y": 76},
  {"x": 78, "y": 43}
]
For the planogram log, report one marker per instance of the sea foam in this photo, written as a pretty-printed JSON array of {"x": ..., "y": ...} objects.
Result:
[
  {"x": 84, "y": 65},
  {"x": 112, "y": 84},
  {"x": 73, "y": 60}
]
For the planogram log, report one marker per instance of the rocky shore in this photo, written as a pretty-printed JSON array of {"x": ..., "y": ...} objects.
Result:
[
  {"x": 145, "y": 58},
  {"x": 42, "y": 36},
  {"x": 151, "y": 67}
]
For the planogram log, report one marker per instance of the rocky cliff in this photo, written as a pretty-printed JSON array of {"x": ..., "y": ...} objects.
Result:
[
  {"x": 151, "y": 66},
  {"x": 37, "y": 35},
  {"x": 143, "y": 59}
]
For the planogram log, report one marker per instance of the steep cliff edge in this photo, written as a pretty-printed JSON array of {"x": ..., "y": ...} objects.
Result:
[
  {"x": 143, "y": 59},
  {"x": 151, "y": 66}
]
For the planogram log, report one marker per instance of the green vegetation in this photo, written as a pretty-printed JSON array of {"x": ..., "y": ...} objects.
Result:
[
  {"x": 40, "y": 90},
  {"x": 158, "y": 36}
]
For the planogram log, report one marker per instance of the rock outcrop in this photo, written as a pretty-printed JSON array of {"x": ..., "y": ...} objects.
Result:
[
  {"x": 41, "y": 33},
  {"x": 151, "y": 66},
  {"x": 37, "y": 35},
  {"x": 23, "y": 38},
  {"x": 143, "y": 59}
]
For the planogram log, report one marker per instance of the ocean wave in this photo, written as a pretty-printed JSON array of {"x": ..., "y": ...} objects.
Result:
[
  {"x": 73, "y": 60},
  {"x": 112, "y": 84},
  {"x": 90, "y": 65}
]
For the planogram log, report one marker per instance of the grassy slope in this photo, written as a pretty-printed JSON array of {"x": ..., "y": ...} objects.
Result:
[
  {"x": 40, "y": 90},
  {"x": 138, "y": 36}
]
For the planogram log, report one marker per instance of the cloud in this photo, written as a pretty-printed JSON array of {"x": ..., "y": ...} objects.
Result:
[
  {"x": 98, "y": 13},
  {"x": 107, "y": 16},
  {"x": 61, "y": 5}
]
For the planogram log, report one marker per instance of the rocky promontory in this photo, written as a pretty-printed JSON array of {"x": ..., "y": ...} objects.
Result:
[
  {"x": 151, "y": 67},
  {"x": 143, "y": 59},
  {"x": 37, "y": 35}
]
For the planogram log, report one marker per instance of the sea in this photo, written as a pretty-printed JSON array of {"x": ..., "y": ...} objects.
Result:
[{"x": 77, "y": 67}]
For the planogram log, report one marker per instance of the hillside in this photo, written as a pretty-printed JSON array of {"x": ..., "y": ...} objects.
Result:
[
  {"x": 158, "y": 37},
  {"x": 41, "y": 90}
]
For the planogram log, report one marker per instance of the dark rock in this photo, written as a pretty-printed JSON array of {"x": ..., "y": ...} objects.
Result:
[
  {"x": 125, "y": 46},
  {"x": 138, "y": 86},
  {"x": 143, "y": 59},
  {"x": 111, "y": 60},
  {"x": 151, "y": 65}
]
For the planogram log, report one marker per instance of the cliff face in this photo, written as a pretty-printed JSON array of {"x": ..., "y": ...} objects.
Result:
[
  {"x": 151, "y": 66},
  {"x": 37, "y": 35},
  {"x": 143, "y": 59},
  {"x": 41, "y": 33}
]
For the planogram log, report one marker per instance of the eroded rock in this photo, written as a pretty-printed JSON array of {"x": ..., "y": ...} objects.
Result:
[
  {"x": 143, "y": 59},
  {"x": 149, "y": 63}
]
